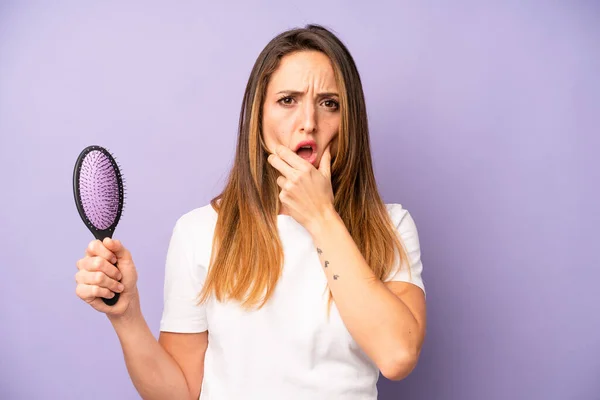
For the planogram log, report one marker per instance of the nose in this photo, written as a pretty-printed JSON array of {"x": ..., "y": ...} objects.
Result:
[{"x": 309, "y": 118}]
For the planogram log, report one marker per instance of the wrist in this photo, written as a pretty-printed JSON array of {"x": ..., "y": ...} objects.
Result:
[
  {"x": 326, "y": 218},
  {"x": 131, "y": 316}
]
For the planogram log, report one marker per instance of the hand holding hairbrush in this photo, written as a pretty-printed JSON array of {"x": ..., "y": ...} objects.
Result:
[{"x": 99, "y": 196}]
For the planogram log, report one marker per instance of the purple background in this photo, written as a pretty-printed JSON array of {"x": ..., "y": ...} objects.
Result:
[{"x": 484, "y": 125}]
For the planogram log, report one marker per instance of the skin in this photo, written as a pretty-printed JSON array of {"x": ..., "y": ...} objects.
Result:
[
  {"x": 302, "y": 103},
  {"x": 386, "y": 320}
]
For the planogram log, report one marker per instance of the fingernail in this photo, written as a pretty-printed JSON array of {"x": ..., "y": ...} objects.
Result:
[
  {"x": 120, "y": 287},
  {"x": 120, "y": 276},
  {"x": 113, "y": 260}
]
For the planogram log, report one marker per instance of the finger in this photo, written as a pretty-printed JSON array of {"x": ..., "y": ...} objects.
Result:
[
  {"x": 99, "y": 305},
  {"x": 89, "y": 293},
  {"x": 281, "y": 166},
  {"x": 292, "y": 158},
  {"x": 97, "y": 248},
  {"x": 101, "y": 265},
  {"x": 281, "y": 181},
  {"x": 97, "y": 278},
  {"x": 117, "y": 248},
  {"x": 325, "y": 164}
]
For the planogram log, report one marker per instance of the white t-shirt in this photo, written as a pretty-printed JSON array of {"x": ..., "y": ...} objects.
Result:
[{"x": 287, "y": 350}]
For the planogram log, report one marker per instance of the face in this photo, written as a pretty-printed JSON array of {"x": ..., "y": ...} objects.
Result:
[{"x": 301, "y": 107}]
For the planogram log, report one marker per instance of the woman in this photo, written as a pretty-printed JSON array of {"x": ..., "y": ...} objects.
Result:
[{"x": 296, "y": 282}]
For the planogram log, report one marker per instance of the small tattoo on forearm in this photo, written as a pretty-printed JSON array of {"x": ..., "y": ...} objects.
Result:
[
  {"x": 335, "y": 277},
  {"x": 319, "y": 250},
  {"x": 326, "y": 264}
]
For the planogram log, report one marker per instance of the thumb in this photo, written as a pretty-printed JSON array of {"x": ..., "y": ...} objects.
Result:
[
  {"x": 124, "y": 262},
  {"x": 325, "y": 164},
  {"x": 117, "y": 248}
]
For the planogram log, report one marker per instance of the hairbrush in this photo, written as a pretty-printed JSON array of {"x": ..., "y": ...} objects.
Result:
[{"x": 99, "y": 194}]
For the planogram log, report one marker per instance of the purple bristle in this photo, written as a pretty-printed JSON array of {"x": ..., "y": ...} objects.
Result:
[{"x": 99, "y": 189}]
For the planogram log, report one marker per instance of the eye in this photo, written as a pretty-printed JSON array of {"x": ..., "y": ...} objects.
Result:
[
  {"x": 286, "y": 101},
  {"x": 332, "y": 104}
]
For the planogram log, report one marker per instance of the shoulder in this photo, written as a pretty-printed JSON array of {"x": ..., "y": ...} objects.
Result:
[
  {"x": 197, "y": 219},
  {"x": 191, "y": 236},
  {"x": 194, "y": 229},
  {"x": 397, "y": 213},
  {"x": 402, "y": 220}
]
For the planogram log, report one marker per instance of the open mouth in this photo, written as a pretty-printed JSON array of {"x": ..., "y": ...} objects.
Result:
[{"x": 307, "y": 150}]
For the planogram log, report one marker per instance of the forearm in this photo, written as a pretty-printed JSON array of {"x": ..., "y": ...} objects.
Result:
[
  {"x": 154, "y": 373},
  {"x": 382, "y": 325}
]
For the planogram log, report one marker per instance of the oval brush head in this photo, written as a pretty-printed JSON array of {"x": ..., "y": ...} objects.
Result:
[{"x": 99, "y": 193}]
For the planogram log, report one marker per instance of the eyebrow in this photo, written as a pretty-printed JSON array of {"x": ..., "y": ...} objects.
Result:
[{"x": 296, "y": 93}]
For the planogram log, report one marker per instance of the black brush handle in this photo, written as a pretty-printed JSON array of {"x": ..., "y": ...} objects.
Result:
[
  {"x": 101, "y": 235},
  {"x": 115, "y": 298}
]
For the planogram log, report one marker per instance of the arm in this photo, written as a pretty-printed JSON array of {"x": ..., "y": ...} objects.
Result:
[
  {"x": 170, "y": 368},
  {"x": 387, "y": 320},
  {"x": 188, "y": 350}
]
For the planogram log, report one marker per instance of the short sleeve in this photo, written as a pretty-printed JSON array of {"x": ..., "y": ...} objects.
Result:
[
  {"x": 409, "y": 235},
  {"x": 183, "y": 282}
]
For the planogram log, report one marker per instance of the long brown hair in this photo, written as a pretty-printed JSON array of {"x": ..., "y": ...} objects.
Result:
[{"x": 247, "y": 255}]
